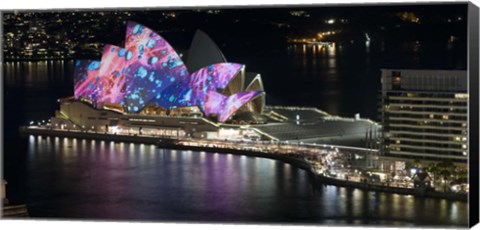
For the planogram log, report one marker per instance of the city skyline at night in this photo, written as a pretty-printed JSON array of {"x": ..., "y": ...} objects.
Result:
[
  {"x": 263, "y": 33},
  {"x": 323, "y": 114},
  {"x": 240, "y": 26}
]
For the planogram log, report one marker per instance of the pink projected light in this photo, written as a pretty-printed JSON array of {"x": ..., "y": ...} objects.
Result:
[
  {"x": 112, "y": 84},
  {"x": 211, "y": 78},
  {"x": 154, "y": 67},
  {"x": 236, "y": 101},
  {"x": 225, "y": 106},
  {"x": 148, "y": 70},
  {"x": 214, "y": 76},
  {"x": 215, "y": 102},
  {"x": 86, "y": 78}
]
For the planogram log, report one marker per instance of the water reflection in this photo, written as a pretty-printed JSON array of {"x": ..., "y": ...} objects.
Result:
[
  {"x": 321, "y": 71},
  {"x": 324, "y": 71},
  {"x": 33, "y": 73},
  {"x": 130, "y": 182},
  {"x": 331, "y": 47},
  {"x": 222, "y": 187}
]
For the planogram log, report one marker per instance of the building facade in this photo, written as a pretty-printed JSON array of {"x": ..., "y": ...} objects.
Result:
[
  {"x": 147, "y": 71},
  {"x": 424, "y": 115},
  {"x": 145, "y": 88}
]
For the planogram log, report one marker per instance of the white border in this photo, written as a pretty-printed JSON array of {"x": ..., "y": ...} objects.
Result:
[{"x": 88, "y": 4}]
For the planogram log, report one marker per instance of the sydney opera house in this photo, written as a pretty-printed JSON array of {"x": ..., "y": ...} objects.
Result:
[{"x": 145, "y": 87}]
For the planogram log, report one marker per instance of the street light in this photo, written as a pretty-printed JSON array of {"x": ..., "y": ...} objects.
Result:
[{"x": 413, "y": 171}]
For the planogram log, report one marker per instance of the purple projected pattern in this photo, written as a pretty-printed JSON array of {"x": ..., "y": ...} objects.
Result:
[
  {"x": 214, "y": 76},
  {"x": 148, "y": 70},
  {"x": 154, "y": 67},
  {"x": 112, "y": 84},
  {"x": 225, "y": 106},
  {"x": 215, "y": 102},
  {"x": 234, "y": 102},
  {"x": 211, "y": 78},
  {"x": 85, "y": 78}
]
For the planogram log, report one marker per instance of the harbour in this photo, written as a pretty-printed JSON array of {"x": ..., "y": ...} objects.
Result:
[{"x": 299, "y": 156}]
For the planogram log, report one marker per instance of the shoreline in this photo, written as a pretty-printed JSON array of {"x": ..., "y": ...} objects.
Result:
[{"x": 319, "y": 180}]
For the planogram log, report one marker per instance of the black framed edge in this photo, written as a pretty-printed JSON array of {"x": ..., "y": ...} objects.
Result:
[
  {"x": 473, "y": 111},
  {"x": 1, "y": 107},
  {"x": 473, "y": 88}
]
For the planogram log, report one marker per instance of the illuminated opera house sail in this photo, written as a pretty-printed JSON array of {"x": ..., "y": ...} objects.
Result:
[
  {"x": 147, "y": 73},
  {"x": 145, "y": 88}
]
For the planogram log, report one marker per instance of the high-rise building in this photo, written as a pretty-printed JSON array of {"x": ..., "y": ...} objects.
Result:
[{"x": 424, "y": 115}]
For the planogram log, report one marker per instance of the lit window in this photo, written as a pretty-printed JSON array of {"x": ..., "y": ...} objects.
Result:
[
  {"x": 445, "y": 117},
  {"x": 461, "y": 95},
  {"x": 464, "y": 146}
]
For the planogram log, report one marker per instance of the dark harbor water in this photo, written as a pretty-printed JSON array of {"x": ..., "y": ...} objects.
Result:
[{"x": 80, "y": 179}]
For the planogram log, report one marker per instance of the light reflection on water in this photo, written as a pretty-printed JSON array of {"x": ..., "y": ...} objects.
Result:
[
  {"x": 56, "y": 177},
  {"x": 331, "y": 76},
  {"x": 105, "y": 180},
  {"x": 33, "y": 73}
]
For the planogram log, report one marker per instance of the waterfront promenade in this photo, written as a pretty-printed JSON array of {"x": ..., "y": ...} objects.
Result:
[{"x": 329, "y": 164}]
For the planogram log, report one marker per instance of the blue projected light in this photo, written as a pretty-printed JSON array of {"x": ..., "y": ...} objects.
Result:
[{"x": 148, "y": 70}]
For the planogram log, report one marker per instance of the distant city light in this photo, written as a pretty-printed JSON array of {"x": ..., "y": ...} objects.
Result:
[
  {"x": 330, "y": 21},
  {"x": 299, "y": 13},
  {"x": 409, "y": 17},
  {"x": 367, "y": 36}
]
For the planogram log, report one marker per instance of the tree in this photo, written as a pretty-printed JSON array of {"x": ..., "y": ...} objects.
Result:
[
  {"x": 461, "y": 173},
  {"x": 415, "y": 164},
  {"x": 434, "y": 170},
  {"x": 446, "y": 168}
]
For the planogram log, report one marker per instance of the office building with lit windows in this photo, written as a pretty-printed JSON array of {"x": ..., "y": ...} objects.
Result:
[{"x": 424, "y": 115}]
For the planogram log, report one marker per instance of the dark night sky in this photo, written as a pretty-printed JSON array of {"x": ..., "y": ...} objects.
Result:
[
  {"x": 271, "y": 26},
  {"x": 257, "y": 37},
  {"x": 234, "y": 27}
]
